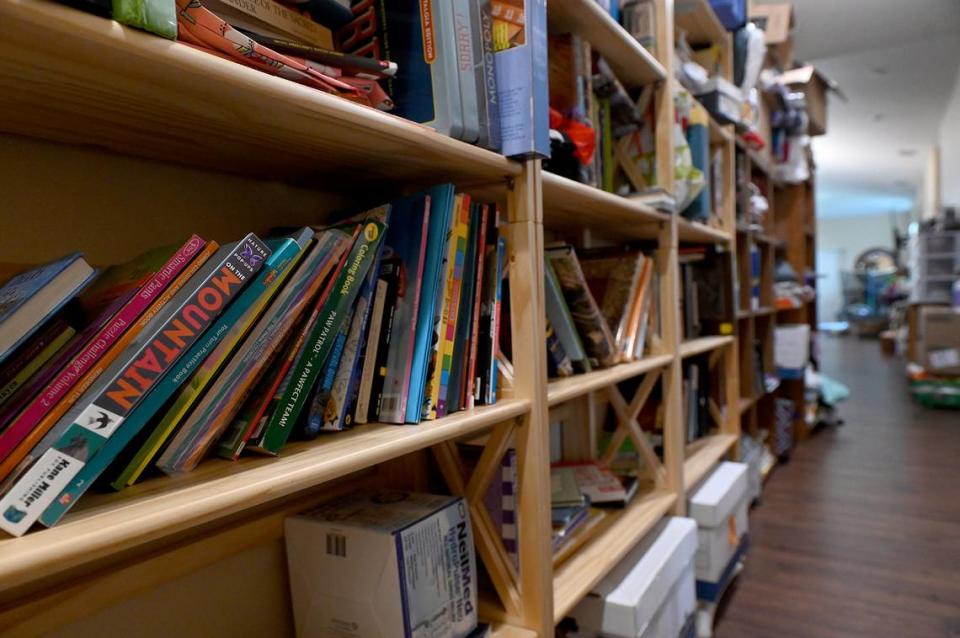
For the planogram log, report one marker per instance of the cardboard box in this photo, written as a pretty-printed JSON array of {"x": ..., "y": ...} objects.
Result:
[
  {"x": 938, "y": 339},
  {"x": 383, "y": 564},
  {"x": 719, "y": 506},
  {"x": 651, "y": 592},
  {"x": 777, "y": 23},
  {"x": 814, "y": 86},
  {"x": 791, "y": 350}
]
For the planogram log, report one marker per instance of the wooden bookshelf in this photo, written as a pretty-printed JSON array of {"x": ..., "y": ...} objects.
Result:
[
  {"x": 116, "y": 114},
  {"x": 703, "y": 455},
  {"x": 621, "y": 530},
  {"x": 633, "y": 64}
]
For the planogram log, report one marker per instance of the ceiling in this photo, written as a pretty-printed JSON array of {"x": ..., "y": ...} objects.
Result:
[{"x": 897, "y": 62}]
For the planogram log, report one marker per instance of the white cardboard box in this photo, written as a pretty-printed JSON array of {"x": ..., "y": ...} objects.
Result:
[
  {"x": 651, "y": 592},
  {"x": 720, "y": 508},
  {"x": 383, "y": 564}
]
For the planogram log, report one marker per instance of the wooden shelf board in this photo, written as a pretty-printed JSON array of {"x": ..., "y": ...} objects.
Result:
[
  {"x": 633, "y": 65},
  {"x": 697, "y": 233},
  {"x": 700, "y": 345},
  {"x": 571, "y": 205},
  {"x": 621, "y": 530},
  {"x": 76, "y": 78},
  {"x": 561, "y": 390},
  {"x": 745, "y": 404},
  {"x": 109, "y": 526},
  {"x": 702, "y": 455},
  {"x": 510, "y": 631},
  {"x": 698, "y": 20}
]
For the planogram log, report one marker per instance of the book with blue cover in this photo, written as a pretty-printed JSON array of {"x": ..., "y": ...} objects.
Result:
[
  {"x": 438, "y": 234},
  {"x": 30, "y": 298},
  {"x": 520, "y": 41},
  {"x": 420, "y": 38}
]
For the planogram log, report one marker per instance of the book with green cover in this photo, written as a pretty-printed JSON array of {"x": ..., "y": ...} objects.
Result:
[
  {"x": 211, "y": 355},
  {"x": 335, "y": 310}
]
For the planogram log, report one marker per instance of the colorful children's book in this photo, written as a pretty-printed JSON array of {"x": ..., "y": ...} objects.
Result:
[
  {"x": 448, "y": 296},
  {"x": 490, "y": 320},
  {"x": 462, "y": 26},
  {"x": 53, "y": 405},
  {"x": 369, "y": 355},
  {"x": 409, "y": 235},
  {"x": 201, "y": 364},
  {"x": 489, "y": 213},
  {"x": 461, "y": 343},
  {"x": 597, "y": 338},
  {"x": 272, "y": 19},
  {"x": 30, "y": 298},
  {"x": 453, "y": 310},
  {"x": 323, "y": 389},
  {"x": 334, "y": 313},
  {"x": 488, "y": 102},
  {"x": 391, "y": 273},
  {"x": 441, "y": 219},
  {"x": 224, "y": 398},
  {"x": 115, "y": 396}
]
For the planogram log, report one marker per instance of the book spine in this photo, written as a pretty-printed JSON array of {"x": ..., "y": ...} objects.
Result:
[
  {"x": 387, "y": 333},
  {"x": 467, "y": 73},
  {"x": 486, "y": 74},
  {"x": 285, "y": 20},
  {"x": 336, "y": 309},
  {"x": 492, "y": 323},
  {"x": 207, "y": 358},
  {"x": 135, "y": 375},
  {"x": 559, "y": 362},
  {"x": 470, "y": 390},
  {"x": 37, "y": 343},
  {"x": 458, "y": 254},
  {"x": 369, "y": 356},
  {"x": 61, "y": 393},
  {"x": 360, "y": 65},
  {"x": 51, "y": 347},
  {"x": 323, "y": 393},
  {"x": 456, "y": 399}
]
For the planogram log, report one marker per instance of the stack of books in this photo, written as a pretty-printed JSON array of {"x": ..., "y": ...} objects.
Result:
[
  {"x": 199, "y": 349},
  {"x": 601, "y": 307},
  {"x": 577, "y": 490}
]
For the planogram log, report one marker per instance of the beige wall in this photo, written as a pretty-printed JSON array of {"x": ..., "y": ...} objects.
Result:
[{"x": 950, "y": 149}]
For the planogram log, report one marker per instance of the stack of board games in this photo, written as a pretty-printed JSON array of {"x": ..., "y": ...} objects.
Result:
[
  {"x": 200, "y": 350},
  {"x": 601, "y": 307}
]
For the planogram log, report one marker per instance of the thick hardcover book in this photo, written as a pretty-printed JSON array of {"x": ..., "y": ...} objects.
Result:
[
  {"x": 461, "y": 341},
  {"x": 559, "y": 315},
  {"x": 409, "y": 236},
  {"x": 613, "y": 280},
  {"x": 40, "y": 352},
  {"x": 271, "y": 18},
  {"x": 455, "y": 310},
  {"x": 473, "y": 336},
  {"x": 205, "y": 359},
  {"x": 225, "y": 397},
  {"x": 106, "y": 406},
  {"x": 335, "y": 311},
  {"x": 597, "y": 338},
  {"x": 485, "y": 71},
  {"x": 463, "y": 27},
  {"x": 30, "y": 298},
  {"x": 441, "y": 221},
  {"x": 520, "y": 40},
  {"x": 426, "y": 88},
  {"x": 392, "y": 274},
  {"x": 54, "y": 404}
]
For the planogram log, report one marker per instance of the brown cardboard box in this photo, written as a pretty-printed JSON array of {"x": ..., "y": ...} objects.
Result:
[
  {"x": 777, "y": 23},
  {"x": 938, "y": 344},
  {"x": 814, "y": 85}
]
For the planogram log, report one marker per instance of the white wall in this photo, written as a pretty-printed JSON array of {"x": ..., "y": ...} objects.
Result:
[
  {"x": 840, "y": 240},
  {"x": 950, "y": 149}
]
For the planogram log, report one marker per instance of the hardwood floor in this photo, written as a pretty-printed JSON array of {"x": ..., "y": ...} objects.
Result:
[{"x": 859, "y": 534}]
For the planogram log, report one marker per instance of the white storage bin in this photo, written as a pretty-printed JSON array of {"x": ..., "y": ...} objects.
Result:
[
  {"x": 720, "y": 508},
  {"x": 651, "y": 593}
]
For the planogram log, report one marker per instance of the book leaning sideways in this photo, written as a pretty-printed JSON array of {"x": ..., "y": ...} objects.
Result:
[{"x": 130, "y": 378}]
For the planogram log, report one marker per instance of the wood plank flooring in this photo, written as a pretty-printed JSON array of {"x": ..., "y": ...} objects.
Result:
[{"x": 859, "y": 534}]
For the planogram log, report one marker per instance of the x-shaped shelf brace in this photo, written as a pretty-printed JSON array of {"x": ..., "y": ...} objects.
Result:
[
  {"x": 490, "y": 547},
  {"x": 628, "y": 427}
]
